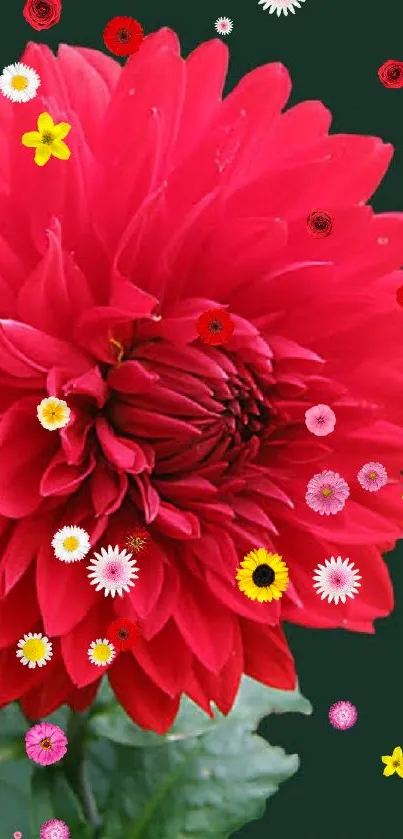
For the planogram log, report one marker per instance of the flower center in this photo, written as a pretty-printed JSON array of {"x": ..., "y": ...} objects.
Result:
[
  {"x": 71, "y": 543},
  {"x": 394, "y": 73},
  {"x": 123, "y": 634},
  {"x": 123, "y": 35},
  {"x": 396, "y": 763},
  {"x": 42, "y": 7},
  {"x": 215, "y": 326},
  {"x": 46, "y": 743},
  {"x": 34, "y": 649},
  {"x": 326, "y": 491},
  {"x": 337, "y": 580},
  {"x": 263, "y": 575},
  {"x": 19, "y": 82},
  {"x": 372, "y": 475},
  {"x": 102, "y": 652},
  {"x": 53, "y": 412},
  {"x": 47, "y": 138}
]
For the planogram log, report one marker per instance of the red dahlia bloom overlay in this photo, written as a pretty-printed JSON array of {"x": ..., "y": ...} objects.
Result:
[
  {"x": 320, "y": 224},
  {"x": 137, "y": 540},
  {"x": 391, "y": 73},
  {"x": 215, "y": 327},
  {"x": 206, "y": 445},
  {"x": 123, "y": 633},
  {"x": 123, "y": 35},
  {"x": 42, "y": 14}
]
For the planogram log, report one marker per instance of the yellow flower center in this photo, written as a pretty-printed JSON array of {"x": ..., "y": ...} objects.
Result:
[
  {"x": 46, "y": 743},
  {"x": 71, "y": 543},
  {"x": 34, "y": 649},
  {"x": 372, "y": 475},
  {"x": 102, "y": 652},
  {"x": 47, "y": 138},
  {"x": 53, "y": 412},
  {"x": 326, "y": 492},
  {"x": 19, "y": 82}
]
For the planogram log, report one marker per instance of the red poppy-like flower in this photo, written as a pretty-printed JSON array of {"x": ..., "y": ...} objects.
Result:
[
  {"x": 320, "y": 224},
  {"x": 123, "y": 35},
  {"x": 391, "y": 73},
  {"x": 137, "y": 540},
  {"x": 123, "y": 633},
  {"x": 215, "y": 327},
  {"x": 153, "y": 221},
  {"x": 42, "y": 14}
]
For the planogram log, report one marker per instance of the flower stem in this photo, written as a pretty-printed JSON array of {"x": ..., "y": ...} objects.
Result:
[{"x": 75, "y": 770}]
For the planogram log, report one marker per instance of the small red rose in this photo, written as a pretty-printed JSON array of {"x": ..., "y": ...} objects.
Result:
[
  {"x": 215, "y": 327},
  {"x": 42, "y": 14},
  {"x": 391, "y": 73},
  {"x": 123, "y": 633},
  {"x": 320, "y": 224},
  {"x": 123, "y": 35}
]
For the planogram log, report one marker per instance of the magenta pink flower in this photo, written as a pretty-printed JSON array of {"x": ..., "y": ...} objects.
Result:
[
  {"x": 54, "y": 829},
  {"x": 343, "y": 715},
  {"x": 372, "y": 476},
  {"x": 45, "y": 743},
  {"x": 327, "y": 493},
  {"x": 320, "y": 420}
]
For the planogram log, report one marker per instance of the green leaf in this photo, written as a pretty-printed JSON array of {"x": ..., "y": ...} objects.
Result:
[{"x": 205, "y": 778}]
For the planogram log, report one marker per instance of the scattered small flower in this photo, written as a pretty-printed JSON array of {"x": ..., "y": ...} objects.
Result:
[
  {"x": 281, "y": 6},
  {"x": 224, "y": 25},
  {"x": 48, "y": 140},
  {"x": 263, "y": 576},
  {"x": 55, "y": 829},
  {"x": 319, "y": 224},
  {"x": 45, "y": 743},
  {"x": 372, "y": 476},
  {"x": 17, "y": 835},
  {"x": 343, "y": 715},
  {"x": 336, "y": 579},
  {"x": 327, "y": 493},
  {"x": 113, "y": 570},
  {"x": 71, "y": 544},
  {"x": 138, "y": 540},
  {"x": 34, "y": 649},
  {"x": 215, "y": 327},
  {"x": 101, "y": 652},
  {"x": 320, "y": 420},
  {"x": 42, "y": 14},
  {"x": 124, "y": 633},
  {"x": 391, "y": 73},
  {"x": 394, "y": 763},
  {"x": 53, "y": 413},
  {"x": 19, "y": 82},
  {"x": 123, "y": 35}
]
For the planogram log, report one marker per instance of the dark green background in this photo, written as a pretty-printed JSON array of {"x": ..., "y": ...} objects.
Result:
[{"x": 333, "y": 49}]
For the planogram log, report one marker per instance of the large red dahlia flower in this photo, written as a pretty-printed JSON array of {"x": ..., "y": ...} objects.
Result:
[{"x": 174, "y": 203}]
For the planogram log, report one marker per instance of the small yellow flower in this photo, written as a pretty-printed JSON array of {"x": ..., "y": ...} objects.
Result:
[
  {"x": 48, "y": 140},
  {"x": 394, "y": 763},
  {"x": 263, "y": 576},
  {"x": 53, "y": 413}
]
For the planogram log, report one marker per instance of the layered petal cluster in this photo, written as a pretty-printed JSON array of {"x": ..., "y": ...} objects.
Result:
[{"x": 176, "y": 201}]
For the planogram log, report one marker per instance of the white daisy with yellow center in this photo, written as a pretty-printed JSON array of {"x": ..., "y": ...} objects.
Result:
[
  {"x": 34, "y": 649},
  {"x": 281, "y": 6},
  {"x": 53, "y": 413},
  {"x": 71, "y": 544},
  {"x": 19, "y": 82},
  {"x": 101, "y": 652}
]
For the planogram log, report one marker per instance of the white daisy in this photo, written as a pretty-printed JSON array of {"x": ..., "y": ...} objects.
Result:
[
  {"x": 281, "y": 6},
  {"x": 224, "y": 25},
  {"x": 113, "y": 570},
  {"x": 71, "y": 544},
  {"x": 337, "y": 579},
  {"x": 19, "y": 82},
  {"x": 101, "y": 652},
  {"x": 34, "y": 649}
]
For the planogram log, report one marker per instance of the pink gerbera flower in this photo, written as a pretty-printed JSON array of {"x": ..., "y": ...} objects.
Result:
[
  {"x": 372, "y": 476},
  {"x": 327, "y": 493},
  {"x": 55, "y": 829},
  {"x": 320, "y": 420},
  {"x": 45, "y": 743}
]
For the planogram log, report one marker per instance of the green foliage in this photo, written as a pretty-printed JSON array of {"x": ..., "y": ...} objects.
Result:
[{"x": 202, "y": 780}]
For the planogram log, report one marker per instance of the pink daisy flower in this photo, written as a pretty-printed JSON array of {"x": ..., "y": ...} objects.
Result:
[
  {"x": 45, "y": 743},
  {"x": 320, "y": 420},
  {"x": 327, "y": 493},
  {"x": 54, "y": 829},
  {"x": 372, "y": 476},
  {"x": 343, "y": 715}
]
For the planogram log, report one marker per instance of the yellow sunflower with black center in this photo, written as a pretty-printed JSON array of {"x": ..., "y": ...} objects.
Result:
[{"x": 263, "y": 576}]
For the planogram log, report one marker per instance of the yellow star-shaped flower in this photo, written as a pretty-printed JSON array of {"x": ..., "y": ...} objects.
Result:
[
  {"x": 48, "y": 140},
  {"x": 394, "y": 763}
]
